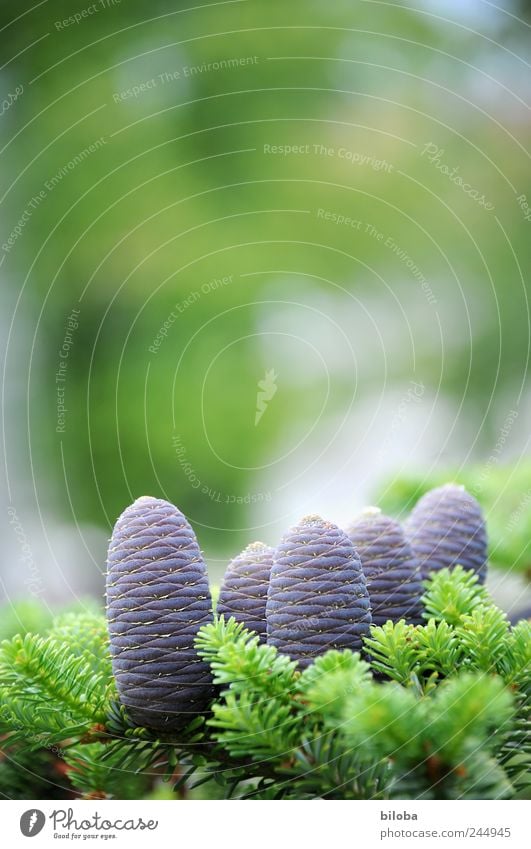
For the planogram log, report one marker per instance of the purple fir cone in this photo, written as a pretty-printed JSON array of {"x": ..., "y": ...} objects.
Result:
[
  {"x": 446, "y": 528},
  {"x": 157, "y": 599},
  {"x": 244, "y": 588},
  {"x": 317, "y": 597},
  {"x": 391, "y": 570}
]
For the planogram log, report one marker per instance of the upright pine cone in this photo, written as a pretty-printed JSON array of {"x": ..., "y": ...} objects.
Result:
[
  {"x": 317, "y": 597},
  {"x": 392, "y": 572},
  {"x": 447, "y": 528},
  {"x": 157, "y": 599},
  {"x": 244, "y": 588}
]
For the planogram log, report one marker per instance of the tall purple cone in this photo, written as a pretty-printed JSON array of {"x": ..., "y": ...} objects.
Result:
[
  {"x": 447, "y": 528},
  {"x": 157, "y": 599},
  {"x": 392, "y": 572},
  {"x": 317, "y": 597},
  {"x": 244, "y": 588}
]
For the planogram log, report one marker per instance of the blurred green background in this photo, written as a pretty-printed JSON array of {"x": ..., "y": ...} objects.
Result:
[{"x": 201, "y": 201}]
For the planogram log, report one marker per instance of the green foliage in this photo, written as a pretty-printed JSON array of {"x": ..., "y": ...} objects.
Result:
[
  {"x": 48, "y": 693},
  {"x": 453, "y": 638},
  {"x": 392, "y": 648},
  {"x": 326, "y": 682},
  {"x": 254, "y": 720},
  {"x": 235, "y": 655},
  {"x": 483, "y": 636},
  {"x": 430, "y": 743},
  {"x": 465, "y": 712},
  {"x": 453, "y": 595},
  {"x": 516, "y": 662},
  {"x": 95, "y": 769},
  {"x": 435, "y": 711}
]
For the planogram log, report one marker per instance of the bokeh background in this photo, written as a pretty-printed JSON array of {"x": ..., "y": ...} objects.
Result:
[{"x": 261, "y": 259}]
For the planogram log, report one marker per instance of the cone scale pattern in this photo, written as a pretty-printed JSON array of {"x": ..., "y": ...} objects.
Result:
[
  {"x": 447, "y": 528},
  {"x": 391, "y": 570},
  {"x": 317, "y": 597},
  {"x": 157, "y": 599},
  {"x": 244, "y": 588}
]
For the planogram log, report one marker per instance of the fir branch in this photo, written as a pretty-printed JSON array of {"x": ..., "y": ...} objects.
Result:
[
  {"x": 453, "y": 593},
  {"x": 431, "y": 743},
  {"x": 325, "y": 684},
  {"x": 324, "y": 767},
  {"x": 466, "y": 711},
  {"x": 483, "y": 635},
  {"x": 254, "y": 717},
  {"x": 515, "y": 665},
  {"x": 444, "y": 726},
  {"x": 246, "y": 726},
  {"x": 48, "y": 694},
  {"x": 118, "y": 770},
  {"x": 393, "y": 650},
  {"x": 238, "y": 660},
  {"x": 438, "y": 649}
]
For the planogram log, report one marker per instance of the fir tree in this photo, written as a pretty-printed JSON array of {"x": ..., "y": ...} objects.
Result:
[{"x": 447, "y": 715}]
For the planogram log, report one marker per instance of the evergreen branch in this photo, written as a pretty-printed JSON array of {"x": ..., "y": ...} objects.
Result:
[
  {"x": 466, "y": 710},
  {"x": 254, "y": 717},
  {"x": 125, "y": 774},
  {"x": 48, "y": 694},
  {"x": 433, "y": 741},
  {"x": 393, "y": 649},
  {"x": 324, "y": 767},
  {"x": 483, "y": 635},
  {"x": 515, "y": 665},
  {"x": 452, "y": 594},
  {"x": 325, "y": 684},
  {"x": 453, "y": 721},
  {"x": 239, "y": 660},
  {"x": 259, "y": 729},
  {"x": 438, "y": 649}
]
